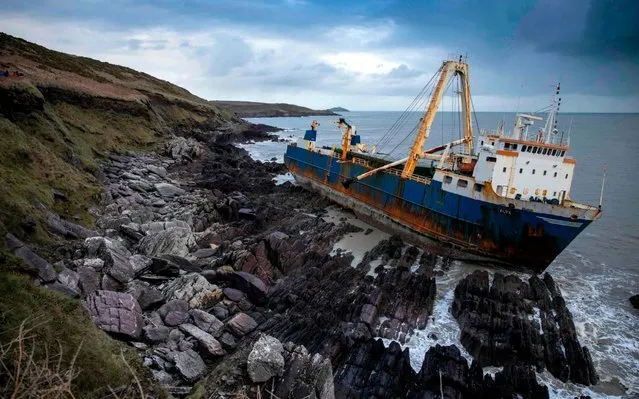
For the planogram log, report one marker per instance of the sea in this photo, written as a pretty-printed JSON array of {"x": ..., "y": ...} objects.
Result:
[{"x": 597, "y": 273}]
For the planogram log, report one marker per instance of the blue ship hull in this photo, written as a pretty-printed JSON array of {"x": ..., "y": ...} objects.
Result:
[{"x": 528, "y": 235}]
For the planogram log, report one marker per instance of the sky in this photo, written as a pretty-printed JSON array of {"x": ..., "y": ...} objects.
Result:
[{"x": 362, "y": 55}]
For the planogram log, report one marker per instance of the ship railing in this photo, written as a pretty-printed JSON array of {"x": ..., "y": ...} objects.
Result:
[{"x": 392, "y": 171}]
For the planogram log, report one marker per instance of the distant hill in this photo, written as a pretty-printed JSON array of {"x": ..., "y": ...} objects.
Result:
[
  {"x": 338, "y": 109},
  {"x": 249, "y": 109}
]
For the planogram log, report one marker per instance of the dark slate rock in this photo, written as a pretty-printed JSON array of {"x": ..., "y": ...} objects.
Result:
[
  {"x": 36, "y": 264},
  {"x": 241, "y": 324},
  {"x": 233, "y": 294},
  {"x": 115, "y": 312}
]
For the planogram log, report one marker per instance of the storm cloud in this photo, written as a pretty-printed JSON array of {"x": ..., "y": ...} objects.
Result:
[{"x": 372, "y": 54}]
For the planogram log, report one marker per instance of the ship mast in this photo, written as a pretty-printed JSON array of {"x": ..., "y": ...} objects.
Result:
[{"x": 448, "y": 69}]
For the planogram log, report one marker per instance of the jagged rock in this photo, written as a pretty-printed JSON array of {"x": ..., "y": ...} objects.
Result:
[
  {"x": 207, "y": 344},
  {"x": 115, "y": 256},
  {"x": 265, "y": 360},
  {"x": 71, "y": 280},
  {"x": 140, "y": 263},
  {"x": 220, "y": 312},
  {"x": 207, "y": 322},
  {"x": 176, "y": 240},
  {"x": 115, "y": 312},
  {"x": 156, "y": 334},
  {"x": 512, "y": 321},
  {"x": 194, "y": 289},
  {"x": 241, "y": 324},
  {"x": 183, "y": 149},
  {"x": 305, "y": 376},
  {"x": 88, "y": 279},
  {"x": 168, "y": 190},
  {"x": 36, "y": 264},
  {"x": 189, "y": 364},
  {"x": 368, "y": 314}
]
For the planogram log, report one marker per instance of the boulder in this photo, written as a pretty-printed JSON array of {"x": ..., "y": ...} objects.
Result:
[
  {"x": 156, "y": 334},
  {"x": 368, "y": 314},
  {"x": 115, "y": 256},
  {"x": 88, "y": 279},
  {"x": 36, "y": 264},
  {"x": 183, "y": 150},
  {"x": 207, "y": 322},
  {"x": 115, "y": 312},
  {"x": 177, "y": 240},
  {"x": 252, "y": 285},
  {"x": 265, "y": 360},
  {"x": 175, "y": 318},
  {"x": 189, "y": 364},
  {"x": 194, "y": 289},
  {"x": 174, "y": 312},
  {"x": 140, "y": 263},
  {"x": 233, "y": 294},
  {"x": 168, "y": 190},
  {"x": 150, "y": 298},
  {"x": 71, "y": 280},
  {"x": 241, "y": 324},
  {"x": 207, "y": 344}
]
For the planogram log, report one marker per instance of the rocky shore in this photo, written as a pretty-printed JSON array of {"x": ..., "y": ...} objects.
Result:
[{"x": 226, "y": 285}]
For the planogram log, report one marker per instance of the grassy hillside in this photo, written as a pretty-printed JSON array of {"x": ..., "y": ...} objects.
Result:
[
  {"x": 248, "y": 109},
  {"x": 64, "y": 113}
]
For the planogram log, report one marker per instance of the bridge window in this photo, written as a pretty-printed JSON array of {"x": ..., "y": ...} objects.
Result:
[
  {"x": 514, "y": 146},
  {"x": 478, "y": 187},
  {"x": 521, "y": 170},
  {"x": 533, "y": 171},
  {"x": 462, "y": 183},
  {"x": 523, "y": 148},
  {"x": 507, "y": 146},
  {"x": 554, "y": 153},
  {"x": 555, "y": 175},
  {"x": 529, "y": 149},
  {"x": 448, "y": 179},
  {"x": 504, "y": 170},
  {"x": 544, "y": 151},
  {"x": 544, "y": 173},
  {"x": 491, "y": 159},
  {"x": 562, "y": 153}
]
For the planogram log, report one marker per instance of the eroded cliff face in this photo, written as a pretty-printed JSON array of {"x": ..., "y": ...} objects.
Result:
[{"x": 60, "y": 114}]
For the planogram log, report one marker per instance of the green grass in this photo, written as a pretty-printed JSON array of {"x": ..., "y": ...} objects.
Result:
[{"x": 64, "y": 325}]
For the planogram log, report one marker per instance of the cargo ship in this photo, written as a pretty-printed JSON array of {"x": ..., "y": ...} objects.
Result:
[{"x": 496, "y": 197}]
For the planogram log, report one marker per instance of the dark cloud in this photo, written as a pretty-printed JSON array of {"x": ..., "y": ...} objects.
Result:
[
  {"x": 604, "y": 29},
  {"x": 403, "y": 72}
]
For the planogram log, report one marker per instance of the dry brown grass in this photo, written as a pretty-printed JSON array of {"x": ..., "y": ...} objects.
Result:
[{"x": 27, "y": 377}]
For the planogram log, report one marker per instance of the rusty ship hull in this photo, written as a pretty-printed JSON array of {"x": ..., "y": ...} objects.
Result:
[{"x": 477, "y": 223}]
